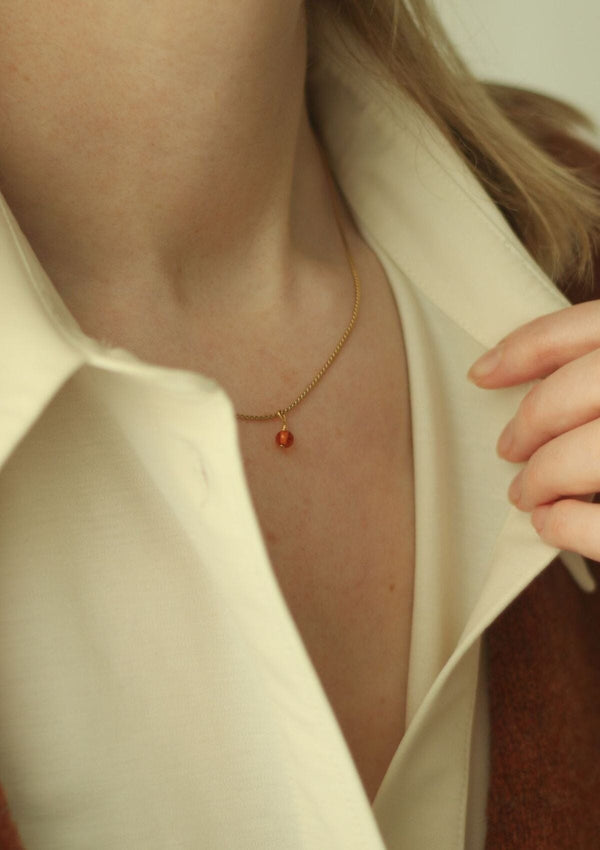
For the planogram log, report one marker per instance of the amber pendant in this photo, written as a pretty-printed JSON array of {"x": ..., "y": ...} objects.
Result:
[{"x": 285, "y": 438}]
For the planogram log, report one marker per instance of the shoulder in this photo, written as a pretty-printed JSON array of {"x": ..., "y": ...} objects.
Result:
[
  {"x": 555, "y": 126},
  {"x": 584, "y": 158},
  {"x": 564, "y": 133}
]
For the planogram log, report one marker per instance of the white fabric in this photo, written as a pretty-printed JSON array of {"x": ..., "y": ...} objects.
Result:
[{"x": 155, "y": 691}]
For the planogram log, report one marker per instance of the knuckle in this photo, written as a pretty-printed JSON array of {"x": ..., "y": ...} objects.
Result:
[
  {"x": 558, "y": 523},
  {"x": 534, "y": 474},
  {"x": 540, "y": 344},
  {"x": 531, "y": 407}
]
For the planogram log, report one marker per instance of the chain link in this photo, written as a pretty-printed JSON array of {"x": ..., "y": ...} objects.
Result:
[{"x": 281, "y": 412}]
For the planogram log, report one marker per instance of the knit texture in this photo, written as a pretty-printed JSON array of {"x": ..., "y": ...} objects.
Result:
[{"x": 544, "y": 688}]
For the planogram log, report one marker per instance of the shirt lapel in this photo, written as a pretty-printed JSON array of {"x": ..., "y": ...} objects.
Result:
[
  {"x": 419, "y": 205},
  {"x": 462, "y": 281}
]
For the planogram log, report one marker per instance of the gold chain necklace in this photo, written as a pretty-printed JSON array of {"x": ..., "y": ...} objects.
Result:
[{"x": 284, "y": 438}]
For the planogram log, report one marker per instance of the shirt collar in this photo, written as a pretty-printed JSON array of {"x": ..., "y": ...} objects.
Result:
[
  {"x": 417, "y": 201},
  {"x": 37, "y": 336},
  {"x": 42, "y": 345},
  {"x": 409, "y": 188}
]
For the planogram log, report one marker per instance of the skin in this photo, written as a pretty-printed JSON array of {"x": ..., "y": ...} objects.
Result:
[
  {"x": 555, "y": 432},
  {"x": 160, "y": 159},
  {"x": 170, "y": 140}
]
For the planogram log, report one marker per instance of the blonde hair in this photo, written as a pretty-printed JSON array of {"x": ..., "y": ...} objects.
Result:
[{"x": 500, "y": 131}]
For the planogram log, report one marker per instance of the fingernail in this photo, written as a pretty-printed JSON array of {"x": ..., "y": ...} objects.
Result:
[
  {"x": 506, "y": 438},
  {"x": 486, "y": 364},
  {"x": 538, "y": 518},
  {"x": 514, "y": 491}
]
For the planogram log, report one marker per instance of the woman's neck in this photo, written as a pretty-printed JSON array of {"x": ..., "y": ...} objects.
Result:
[{"x": 162, "y": 144}]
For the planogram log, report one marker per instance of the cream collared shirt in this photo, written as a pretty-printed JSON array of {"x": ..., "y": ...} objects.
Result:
[{"x": 155, "y": 691}]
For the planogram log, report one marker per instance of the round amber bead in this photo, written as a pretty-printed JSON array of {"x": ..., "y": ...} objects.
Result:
[{"x": 284, "y": 439}]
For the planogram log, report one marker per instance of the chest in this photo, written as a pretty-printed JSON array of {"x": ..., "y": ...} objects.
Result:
[
  {"x": 336, "y": 509},
  {"x": 336, "y": 512}
]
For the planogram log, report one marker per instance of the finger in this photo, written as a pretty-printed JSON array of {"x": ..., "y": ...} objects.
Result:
[
  {"x": 569, "y": 465},
  {"x": 570, "y": 525},
  {"x": 568, "y": 398},
  {"x": 538, "y": 348}
]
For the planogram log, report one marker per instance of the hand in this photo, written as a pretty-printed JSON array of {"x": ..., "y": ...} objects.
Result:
[{"x": 556, "y": 430}]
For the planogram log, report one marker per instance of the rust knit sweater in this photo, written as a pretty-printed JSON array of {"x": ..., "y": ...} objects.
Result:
[{"x": 544, "y": 666}]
